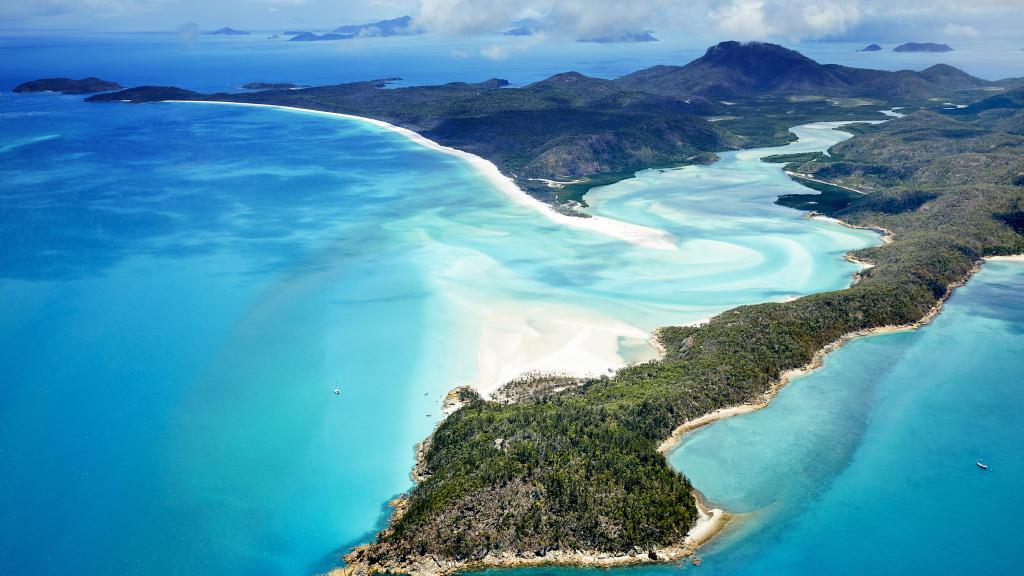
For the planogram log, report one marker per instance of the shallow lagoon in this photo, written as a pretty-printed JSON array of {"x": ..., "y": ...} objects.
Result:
[{"x": 184, "y": 285}]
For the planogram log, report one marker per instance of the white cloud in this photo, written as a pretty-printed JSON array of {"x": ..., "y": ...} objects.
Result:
[
  {"x": 793, "y": 19},
  {"x": 963, "y": 30},
  {"x": 567, "y": 19},
  {"x": 564, "y": 18},
  {"x": 740, "y": 19},
  {"x": 572, "y": 19},
  {"x": 495, "y": 51},
  {"x": 464, "y": 17}
]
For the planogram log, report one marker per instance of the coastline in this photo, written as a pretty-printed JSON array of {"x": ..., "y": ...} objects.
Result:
[
  {"x": 632, "y": 233},
  {"x": 817, "y": 361},
  {"x": 576, "y": 346},
  {"x": 887, "y": 235},
  {"x": 710, "y": 522}
]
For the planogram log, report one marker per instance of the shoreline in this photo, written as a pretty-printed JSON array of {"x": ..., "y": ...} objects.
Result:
[
  {"x": 887, "y": 236},
  {"x": 588, "y": 345},
  {"x": 817, "y": 361},
  {"x": 562, "y": 340},
  {"x": 710, "y": 522},
  {"x": 631, "y": 233},
  {"x": 591, "y": 351}
]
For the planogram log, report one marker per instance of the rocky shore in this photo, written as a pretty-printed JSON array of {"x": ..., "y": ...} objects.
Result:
[{"x": 711, "y": 522}]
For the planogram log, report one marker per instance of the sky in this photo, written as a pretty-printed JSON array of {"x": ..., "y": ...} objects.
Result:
[{"x": 790, "y": 20}]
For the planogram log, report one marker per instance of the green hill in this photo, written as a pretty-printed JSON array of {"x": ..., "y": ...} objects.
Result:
[{"x": 738, "y": 70}]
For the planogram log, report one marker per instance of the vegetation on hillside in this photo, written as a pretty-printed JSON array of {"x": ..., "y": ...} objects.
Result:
[
  {"x": 587, "y": 132},
  {"x": 578, "y": 469}
]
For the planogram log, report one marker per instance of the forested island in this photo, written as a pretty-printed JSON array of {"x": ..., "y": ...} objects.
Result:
[
  {"x": 922, "y": 47},
  {"x": 270, "y": 86},
  {"x": 227, "y": 31},
  {"x": 571, "y": 472},
  {"x": 90, "y": 85}
]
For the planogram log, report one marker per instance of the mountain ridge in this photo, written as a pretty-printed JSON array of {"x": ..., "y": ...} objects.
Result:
[
  {"x": 734, "y": 68},
  {"x": 578, "y": 131}
]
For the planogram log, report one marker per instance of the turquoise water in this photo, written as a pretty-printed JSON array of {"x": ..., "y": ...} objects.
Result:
[
  {"x": 182, "y": 287},
  {"x": 868, "y": 464}
]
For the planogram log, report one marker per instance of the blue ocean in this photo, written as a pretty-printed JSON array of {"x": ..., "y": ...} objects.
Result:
[{"x": 184, "y": 286}]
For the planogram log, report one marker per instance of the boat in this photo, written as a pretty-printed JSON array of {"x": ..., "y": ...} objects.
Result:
[
  {"x": 982, "y": 466},
  {"x": 337, "y": 391}
]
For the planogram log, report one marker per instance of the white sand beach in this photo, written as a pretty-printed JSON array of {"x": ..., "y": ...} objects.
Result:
[
  {"x": 632, "y": 233},
  {"x": 541, "y": 338},
  {"x": 516, "y": 339}
]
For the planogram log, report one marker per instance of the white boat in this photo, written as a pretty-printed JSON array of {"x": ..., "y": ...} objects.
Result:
[
  {"x": 982, "y": 466},
  {"x": 337, "y": 391}
]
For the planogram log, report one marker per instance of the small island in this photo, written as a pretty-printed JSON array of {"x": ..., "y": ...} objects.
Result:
[
  {"x": 401, "y": 26},
  {"x": 922, "y": 47},
  {"x": 90, "y": 85},
  {"x": 226, "y": 31},
  {"x": 270, "y": 86},
  {"x": 530, "y": 27},
  {"x": 311, "y": 37},
  {"x": 870, "y": 48}
]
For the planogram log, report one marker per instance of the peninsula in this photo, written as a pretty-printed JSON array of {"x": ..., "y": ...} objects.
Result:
[{"x": 571, "y": 473}]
